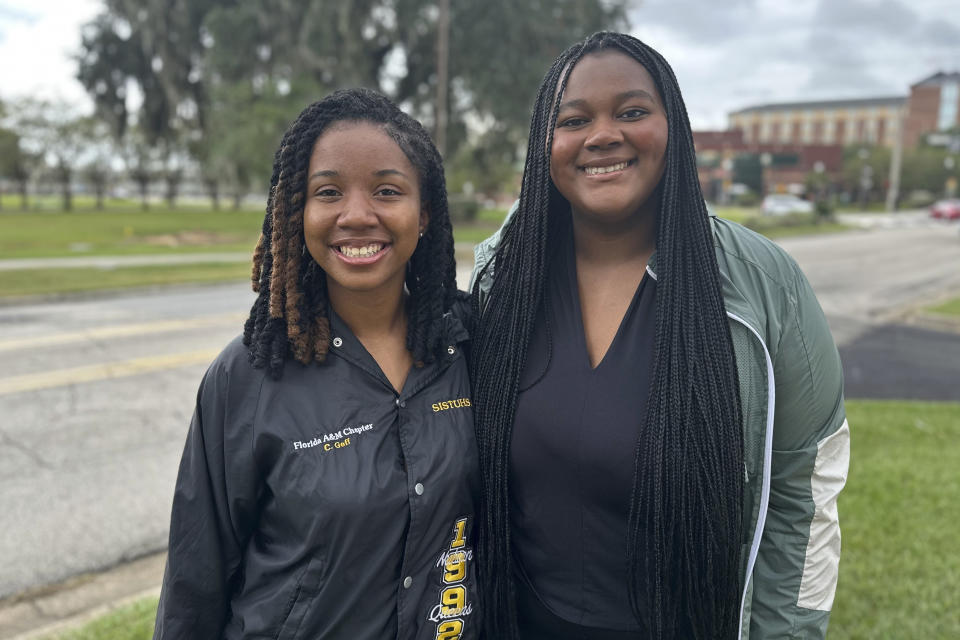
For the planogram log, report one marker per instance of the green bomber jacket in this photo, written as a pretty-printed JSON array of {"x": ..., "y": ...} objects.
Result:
[{"x": 796, "y": 437}]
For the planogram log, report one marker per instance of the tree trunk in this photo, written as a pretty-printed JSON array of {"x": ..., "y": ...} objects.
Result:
[
  {"x": 144, "y": 185},
  {"x": 66, "y": 191},
  {"x": 173, "y": 188},
  {"x": 99, "y": 188},
  {"x": 237, "y": 197},
  {"x": 213, "y": 189},
  {"x": 24, "y": 201}
]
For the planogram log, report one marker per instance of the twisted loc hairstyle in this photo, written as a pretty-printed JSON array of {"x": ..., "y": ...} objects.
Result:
[
  {"x": 290, "y": 317},
  {"x": 685, "y": 525}
]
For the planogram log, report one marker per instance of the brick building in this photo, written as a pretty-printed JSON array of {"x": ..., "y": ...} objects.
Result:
[
  {"x": 784, "y": 166},
  {"x": 934, "y": 105}
]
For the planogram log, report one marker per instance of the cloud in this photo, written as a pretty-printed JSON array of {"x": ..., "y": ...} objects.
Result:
[
  {"x": 889, "y": 18},
  {"x": 729, "y": 55},
  {"x": 42, "y": 39},
  {"x": 940, "y": 33},
  {"x": 695, "y": 20}
]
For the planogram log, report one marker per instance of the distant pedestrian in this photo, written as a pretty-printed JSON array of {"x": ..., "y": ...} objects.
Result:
[
  {"x": 659, "y": 401},
  {"x": 328, "y": 483}
]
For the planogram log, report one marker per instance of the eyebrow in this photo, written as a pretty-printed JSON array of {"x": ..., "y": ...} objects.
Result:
[
  {"x": 330, "y": 173},
  {"x": 579, "y": 103}
]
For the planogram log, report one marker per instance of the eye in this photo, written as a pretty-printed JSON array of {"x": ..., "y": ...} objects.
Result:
[
  {"x": 388, "y": 192},
  {"x": 326, "y": 192},
  {"x": 571, "y": 122},
  {"x": 634, "y": 113}
]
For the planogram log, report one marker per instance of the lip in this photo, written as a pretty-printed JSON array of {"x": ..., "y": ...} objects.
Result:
[
  {"x": 360, "y": 260},
  {"x": 606, "y": 162}
]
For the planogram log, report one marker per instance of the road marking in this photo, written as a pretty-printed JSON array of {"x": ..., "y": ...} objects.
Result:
[
  {"x": 103, "y": 371},
  {"x": 119, "y": 331}
]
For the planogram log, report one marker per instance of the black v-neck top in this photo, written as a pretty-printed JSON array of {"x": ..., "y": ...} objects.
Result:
[{"x": 572, "y": 454}]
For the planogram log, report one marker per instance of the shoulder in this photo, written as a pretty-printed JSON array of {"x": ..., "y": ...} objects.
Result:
[
  {"x": 458, "y": 319},
  {"x": 744, "y": 254},
  {"x": 232, "y": 369}
]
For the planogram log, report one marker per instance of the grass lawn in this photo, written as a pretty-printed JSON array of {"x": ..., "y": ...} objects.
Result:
[
  {"x": 25, "y": 282},
  {"x": 948, "y": 308},
  {"x": 130, "y": 231},
  {"x": 126, "y": 231},
  {"x": 900, "y": 570},
  {"x": 133, "y": 622},
  {"x": 900, "y": 513}
]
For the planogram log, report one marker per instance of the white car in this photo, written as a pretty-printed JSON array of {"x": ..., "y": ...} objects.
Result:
[{"x": 781, "y": 204}]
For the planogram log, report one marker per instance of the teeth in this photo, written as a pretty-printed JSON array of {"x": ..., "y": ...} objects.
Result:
[
  {"x": 361, "y": 252},
  {"x": 593, "y": 171}
]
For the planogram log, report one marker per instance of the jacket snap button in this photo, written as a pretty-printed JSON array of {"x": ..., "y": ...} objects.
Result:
[
  {"x": 337, "y": 342},
  {"x": 451, "y": 350},
  {"x": 407, "y": 582},
  {"x": 418, "y": 488},
  {"x": 400, "y": 403}
]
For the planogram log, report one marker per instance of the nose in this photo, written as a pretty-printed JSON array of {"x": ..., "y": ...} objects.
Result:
[
  {"x": 357, "y": 212},
  {"x": 604, "y": 134}
]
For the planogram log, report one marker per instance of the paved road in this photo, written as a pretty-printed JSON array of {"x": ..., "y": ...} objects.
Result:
[{"x": 96, "y": 394}]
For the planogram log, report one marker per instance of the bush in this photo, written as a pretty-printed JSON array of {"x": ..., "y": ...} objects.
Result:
[
  {"x": 463, "y": 208},
  {"x": 762, "y": 223}
]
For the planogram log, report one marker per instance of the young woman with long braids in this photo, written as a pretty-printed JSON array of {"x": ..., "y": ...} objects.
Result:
[
  {"x": 659, "y": 401},
  {"x": 329, "y": 478}
]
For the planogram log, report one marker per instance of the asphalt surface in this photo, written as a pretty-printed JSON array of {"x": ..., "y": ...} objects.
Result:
[
  {"x": 902, "y": 362},
  {"x": 96, "y": 392}
]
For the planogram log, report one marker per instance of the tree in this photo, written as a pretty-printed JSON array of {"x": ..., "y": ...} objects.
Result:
[
  {"x": 499, "y": 54},
  {"x": 98, "y": 156},
  {"x": 865, "y": 171},
  {"x": 201, "y": 63},
  {"x": 15, "y": 163},
  {"x": 53, "y": 132}
]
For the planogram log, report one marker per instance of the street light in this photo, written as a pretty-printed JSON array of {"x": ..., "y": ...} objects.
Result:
[
  {"x": 765, "y": 160},
  {"x": 866, "y": 177},
  {"x": 950, "y": 187},
  {"x": 727, "y": 165}
]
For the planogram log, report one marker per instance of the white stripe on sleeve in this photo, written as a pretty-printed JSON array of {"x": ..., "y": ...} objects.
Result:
[{"x": 819, "y": 582}]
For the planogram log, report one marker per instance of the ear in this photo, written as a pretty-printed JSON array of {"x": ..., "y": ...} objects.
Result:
[{"x": 424, "y": 220}]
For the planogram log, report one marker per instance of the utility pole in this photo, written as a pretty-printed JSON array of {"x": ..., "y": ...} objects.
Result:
[
  {"x": 896, "y": 160},
  {"x": 443, "y": 55}
]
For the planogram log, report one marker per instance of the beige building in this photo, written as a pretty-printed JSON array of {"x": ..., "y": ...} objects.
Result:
[
  {"x": 932, "y": 106},
  {"x": 842, "y": 122}
]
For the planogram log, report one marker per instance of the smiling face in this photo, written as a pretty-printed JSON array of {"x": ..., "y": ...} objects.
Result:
[
  {"x": 610, "y": 139},
  {"x": 363, "y": 216}
]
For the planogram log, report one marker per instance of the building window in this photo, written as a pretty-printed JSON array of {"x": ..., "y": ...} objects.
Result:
[{"x": 947, "y": 116}]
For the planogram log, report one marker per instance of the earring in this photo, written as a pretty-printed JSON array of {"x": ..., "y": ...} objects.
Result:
[{"x": 421, "y": 233}]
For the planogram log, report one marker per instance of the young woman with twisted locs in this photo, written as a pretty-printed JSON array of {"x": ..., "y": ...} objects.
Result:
[
  {"x": 328, "y": 483},
  {"x": 659, "y": 401}
]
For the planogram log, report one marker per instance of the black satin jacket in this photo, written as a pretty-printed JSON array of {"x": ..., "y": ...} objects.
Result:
[{"x": 325, "y": 505}]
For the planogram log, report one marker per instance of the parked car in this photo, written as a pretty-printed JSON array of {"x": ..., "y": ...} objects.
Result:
[
  {"x": 946, "y": 209},
  {"x": 780, "y": 204}
]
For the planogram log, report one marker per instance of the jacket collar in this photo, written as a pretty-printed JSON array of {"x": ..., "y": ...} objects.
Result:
[{"x": 346, "y": 345}]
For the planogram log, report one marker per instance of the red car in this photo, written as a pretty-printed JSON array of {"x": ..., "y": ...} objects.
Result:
[{"x": 946, "y": 209}]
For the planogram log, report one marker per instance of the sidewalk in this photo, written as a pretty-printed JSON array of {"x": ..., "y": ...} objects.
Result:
[
  {"x": 113, "y": 262},
  {"x": 56, "y": 608},
  {"x": 464, "y": 250}
]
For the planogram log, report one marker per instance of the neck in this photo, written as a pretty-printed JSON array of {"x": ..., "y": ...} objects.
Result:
[
  {"x": 599, "y": 243},
  {"x": 370, "y": 313}
]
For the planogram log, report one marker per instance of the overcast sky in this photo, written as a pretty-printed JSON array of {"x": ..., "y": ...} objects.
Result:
[{"x": 727, "y": 54}]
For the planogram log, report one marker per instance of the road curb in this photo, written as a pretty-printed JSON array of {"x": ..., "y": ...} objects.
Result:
[
  {"x": 934, "y": 322},
  {"x": 56, "y": 608}
]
